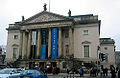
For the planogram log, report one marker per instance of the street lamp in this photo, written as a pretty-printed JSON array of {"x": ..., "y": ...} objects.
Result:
[{"x": 98, "y": 50}]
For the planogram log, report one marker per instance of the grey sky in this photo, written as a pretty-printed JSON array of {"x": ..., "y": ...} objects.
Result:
[{"x": 108, "y": 12}]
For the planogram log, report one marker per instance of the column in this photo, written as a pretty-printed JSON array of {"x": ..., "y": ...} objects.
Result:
[
  {"x": 38, "y": 44},
  {"x": 49, "y": 42},
  {"x": 29, "y": 44},
  {"x": 60, "y": 43},
  {"x": 70, "y": 41},
  {"x": 24, "y": 46},
  {"x": 20, "y": 45}
]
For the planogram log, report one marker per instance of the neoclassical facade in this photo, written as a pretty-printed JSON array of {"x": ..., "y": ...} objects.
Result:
[{"x": 51, "y": 39}]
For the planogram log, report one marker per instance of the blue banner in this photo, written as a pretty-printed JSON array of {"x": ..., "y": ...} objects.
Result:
[
  {"x": 54, "y": 43},
  {"x": 43, "y": 45},
  {"x": 43, "y": 51},
  {"x": 43, "y": 36}
]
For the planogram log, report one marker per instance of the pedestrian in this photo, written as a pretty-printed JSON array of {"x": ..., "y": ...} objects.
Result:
[
  {"x": 119, "y": 73},
  {"x": 53, "y": 70},
  {"x": 94, "y": 71},
  {"x": 113, "y": 73},
  {"x": 67, "y": 71},
  {"x": 91, "y": 71},
  {"x": 106, "y": 71},
  {"x": 80, "y": 72},
  {"x": 103, "y": 71}
]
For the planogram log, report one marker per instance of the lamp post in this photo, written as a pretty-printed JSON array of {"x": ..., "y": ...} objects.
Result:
[
  {"x": 98, "y": 50},
  {"x": 72, "y": 59}
]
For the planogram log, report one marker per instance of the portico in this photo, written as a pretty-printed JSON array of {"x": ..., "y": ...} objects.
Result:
[{"x": 29, "y": 48}]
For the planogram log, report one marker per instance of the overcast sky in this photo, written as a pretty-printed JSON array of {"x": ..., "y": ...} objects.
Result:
[{"x": 108, "y": 12}]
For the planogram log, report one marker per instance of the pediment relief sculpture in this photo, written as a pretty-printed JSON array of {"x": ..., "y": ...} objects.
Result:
[{"x": 45, "y": 17}]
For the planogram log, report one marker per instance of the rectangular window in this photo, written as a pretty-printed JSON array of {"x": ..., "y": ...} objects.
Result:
[
  {"x": 105, "y": 48},
  {"x": 106, "y": 58},
  {"x": 86, "y": 50},
  {"x": 85, "y": 32},
  {"x": 66, "y": 34},
  {"x": 67, "y": 49},
  {"x": 64, "y": 65},
  {"x": 15, "y": 37},
  {"x": 14, "y": 53},
  {"x": 33, "y": 38}
]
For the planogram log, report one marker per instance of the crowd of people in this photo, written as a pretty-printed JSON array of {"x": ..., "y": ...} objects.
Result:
[
  {"x": 114, "y": 72},
  {"x": 93, "y": 71}
]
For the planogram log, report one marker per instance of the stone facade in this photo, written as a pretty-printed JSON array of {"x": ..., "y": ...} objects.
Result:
[
  {"x": 78, "y": 37},
  {"x": 107, "y": 47},
  {"x": 117, "y": 58}
]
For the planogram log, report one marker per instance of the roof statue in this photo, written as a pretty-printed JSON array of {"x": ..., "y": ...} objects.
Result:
[
  {"x": 45, "y": 8},
  {"x": 69, "y": 13}
]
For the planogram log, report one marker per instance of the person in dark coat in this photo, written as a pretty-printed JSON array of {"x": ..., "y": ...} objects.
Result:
[
  {"x": 119, "y": 73},
  {"x": 106, "y": 71},
  {"x": 113, "y": 73}
]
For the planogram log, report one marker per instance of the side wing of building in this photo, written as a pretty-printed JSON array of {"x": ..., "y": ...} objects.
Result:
[
  {"x": 86, "y": 37},
  {"x": 107, "y": 47},
  {"x": 12, "y": 49}
]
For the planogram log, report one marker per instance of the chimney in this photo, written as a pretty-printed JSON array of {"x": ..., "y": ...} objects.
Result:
[{"x": 23, "y": 18}]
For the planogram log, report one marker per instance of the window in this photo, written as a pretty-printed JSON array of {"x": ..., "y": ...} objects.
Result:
[
  {"x": 15, "y": 36},
  {"x": 105, "y": 48},
  {"x": 106, "y": 58},
  {"x": 14, "y": 53},
  {"x": 86, "y": 50},
  {"x": 85, "y": 32},
  {"x": 66, "y": 34},
  {"x": 67, "y": 49},
  {"x": 64, "y": 65}
]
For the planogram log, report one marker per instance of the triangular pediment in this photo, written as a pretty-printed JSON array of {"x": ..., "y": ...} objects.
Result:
[
  {"x": 86, "y": 42},
  {"x": 45, "y": 16}
]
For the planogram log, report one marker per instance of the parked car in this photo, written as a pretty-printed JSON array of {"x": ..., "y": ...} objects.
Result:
[
  {"x": 32, "y": 73},
  {"x": 10, "y": 73}
]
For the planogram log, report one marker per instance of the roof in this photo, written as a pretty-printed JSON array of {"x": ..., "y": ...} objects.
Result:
[
  {"x": 106, "y": 41},
  {"x": 49, "y": 17},
  {"x": 86, "y": 15},
  {"x": 105, "y": 38},
  {"x": 45, "y": 16}
]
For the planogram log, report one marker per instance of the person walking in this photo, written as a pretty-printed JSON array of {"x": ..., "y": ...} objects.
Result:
[
  {"x": 80, "y": 72},
  {"x": 106, "y": 71},
  {"x": 119, "y": 73},
  {"x": 113, "y": 73}
]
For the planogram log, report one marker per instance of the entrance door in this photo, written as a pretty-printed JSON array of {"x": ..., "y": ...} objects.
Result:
[
  {"x": 53, "y": 64},
  {"x": 42, "y": 64},
  {"x": 31, "y": 65}
]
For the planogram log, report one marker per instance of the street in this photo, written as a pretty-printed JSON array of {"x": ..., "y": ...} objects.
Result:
[{"x": 64, "y": 75}]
